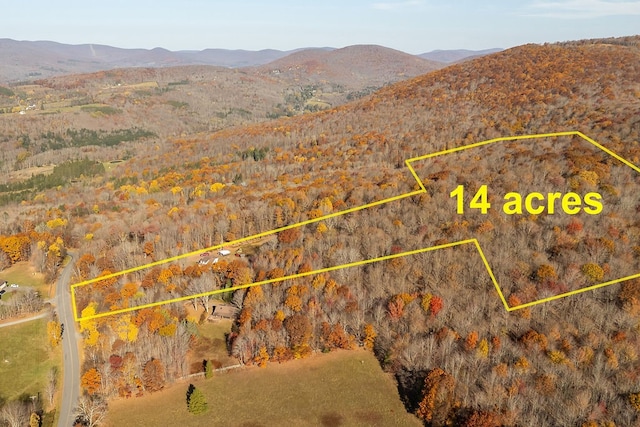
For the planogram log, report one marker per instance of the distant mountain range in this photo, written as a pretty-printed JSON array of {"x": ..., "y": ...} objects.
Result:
[{"x": 29, "y": 60}]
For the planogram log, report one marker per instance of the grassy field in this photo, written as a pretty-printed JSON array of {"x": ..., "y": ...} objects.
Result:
[
  {"x": 211, "y": 345},
  {"x": 25, "y": 359},
  {"x": 109, "y": 166},
  {"x": 24, "y": 174},
  {"x": 22, "y": 273},
  {"x": 64, "y": 106},
  {"x": 346, "y": 388}
]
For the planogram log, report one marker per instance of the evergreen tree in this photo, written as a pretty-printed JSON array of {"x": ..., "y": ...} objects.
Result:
[
  {"x": 196, "y": 402},
  {"x": 208, "y": 369}
]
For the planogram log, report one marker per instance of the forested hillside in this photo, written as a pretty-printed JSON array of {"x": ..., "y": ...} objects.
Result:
[
  {"x": 434, "y": 320},
  {"x": 45, "y": 121}
]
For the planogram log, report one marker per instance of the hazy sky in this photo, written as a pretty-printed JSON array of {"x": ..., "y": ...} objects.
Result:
[{"x": 413, "y": 26}]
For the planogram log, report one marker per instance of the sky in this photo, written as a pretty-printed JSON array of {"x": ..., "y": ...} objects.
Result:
[{"x": 412, "y": 26}]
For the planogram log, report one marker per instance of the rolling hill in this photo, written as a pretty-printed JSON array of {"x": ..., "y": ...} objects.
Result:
[
  {"x": 512, "y": 368},
  {"x": 434, "y": 320},
  {"x": 375, "y": 65},
  {"x": 174, "y": 100},
  {"x": 29, "y": 60}
]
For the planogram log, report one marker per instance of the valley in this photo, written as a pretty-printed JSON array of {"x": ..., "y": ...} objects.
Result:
[{"x": 128, "y": 168}]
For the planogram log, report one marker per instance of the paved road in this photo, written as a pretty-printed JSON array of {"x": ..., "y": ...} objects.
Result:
[{"x": 71, "y": 364}]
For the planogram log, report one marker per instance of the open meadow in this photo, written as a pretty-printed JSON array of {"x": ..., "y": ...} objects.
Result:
[
  {"x": 210, "y": 344},
  {"x": 342, "y": 388},
  {"x": 25, "y": 360}
]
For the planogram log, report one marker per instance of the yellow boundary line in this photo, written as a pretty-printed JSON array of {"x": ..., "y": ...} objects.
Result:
[
  {"x": 422, "y": 190},
  {"x": 291, "y": 277}
]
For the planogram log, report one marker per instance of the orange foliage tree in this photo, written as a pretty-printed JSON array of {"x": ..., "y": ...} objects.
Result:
[
  {"x": 289, "y": 236},
  {"x": 91, "y": 381},
  {"x": 438, "y": 397},
  {"x": 153, "y": 375}
]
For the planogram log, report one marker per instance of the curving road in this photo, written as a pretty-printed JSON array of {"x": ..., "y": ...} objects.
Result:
[{"x": 71, "y": 364}]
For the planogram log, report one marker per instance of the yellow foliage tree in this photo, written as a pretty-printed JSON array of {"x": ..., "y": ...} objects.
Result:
[
  {"x": 326, "y": 206},
  {"x": 262, "y": 357},
  {"x": 293, "y": 302},
  {"x": 89, "y": 327},
  {"x": 154, "y": 187},
  {"x": 215, "y": 187},
  {"x": 426, "y": 301},
  {"x": 634, "y": 400},
  {"x": 318, "y": 281},
  {"x": 165, "y": 276},
  {"x": 483, "y": 348},
  {"x": 125, "y": 329},
  {"x": 279, "y": 315},
  {"x": 56, "y": 223},
  {"x": 16, "y": 247},
  {"x": 369, "y": 336},
  {"x": 167, "y": 330},
  {"x": 55, "y": 250},
  {"x": 54, "y": 332},
  {"x": 593, "y": 271}
]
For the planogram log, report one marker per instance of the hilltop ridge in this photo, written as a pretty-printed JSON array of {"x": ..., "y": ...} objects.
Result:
[
  {"x": 30, "y": 60},
  {"x": 226, "y": 154}
]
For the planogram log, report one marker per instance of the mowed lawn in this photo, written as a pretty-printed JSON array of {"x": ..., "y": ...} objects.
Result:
[
  {"x": 211, "y": 345},
  {"x": 345, "y": 388},
  {"x": 25, "y": 359},
  {"x": 23, "y": 274}
]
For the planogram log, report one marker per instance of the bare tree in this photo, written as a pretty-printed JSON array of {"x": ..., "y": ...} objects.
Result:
[
  {"x": 15, "y": 414},
  {"x": 52, "y": 384},
  {"x": 201, "y": 285},
  {"x": 91, "y": 411}
]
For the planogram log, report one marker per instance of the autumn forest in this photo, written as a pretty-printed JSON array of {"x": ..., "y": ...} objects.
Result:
[{"x": 119, "y": 169}]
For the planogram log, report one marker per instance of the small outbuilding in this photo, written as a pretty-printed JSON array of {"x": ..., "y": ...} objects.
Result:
[{"x": 223, "y": 312}]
